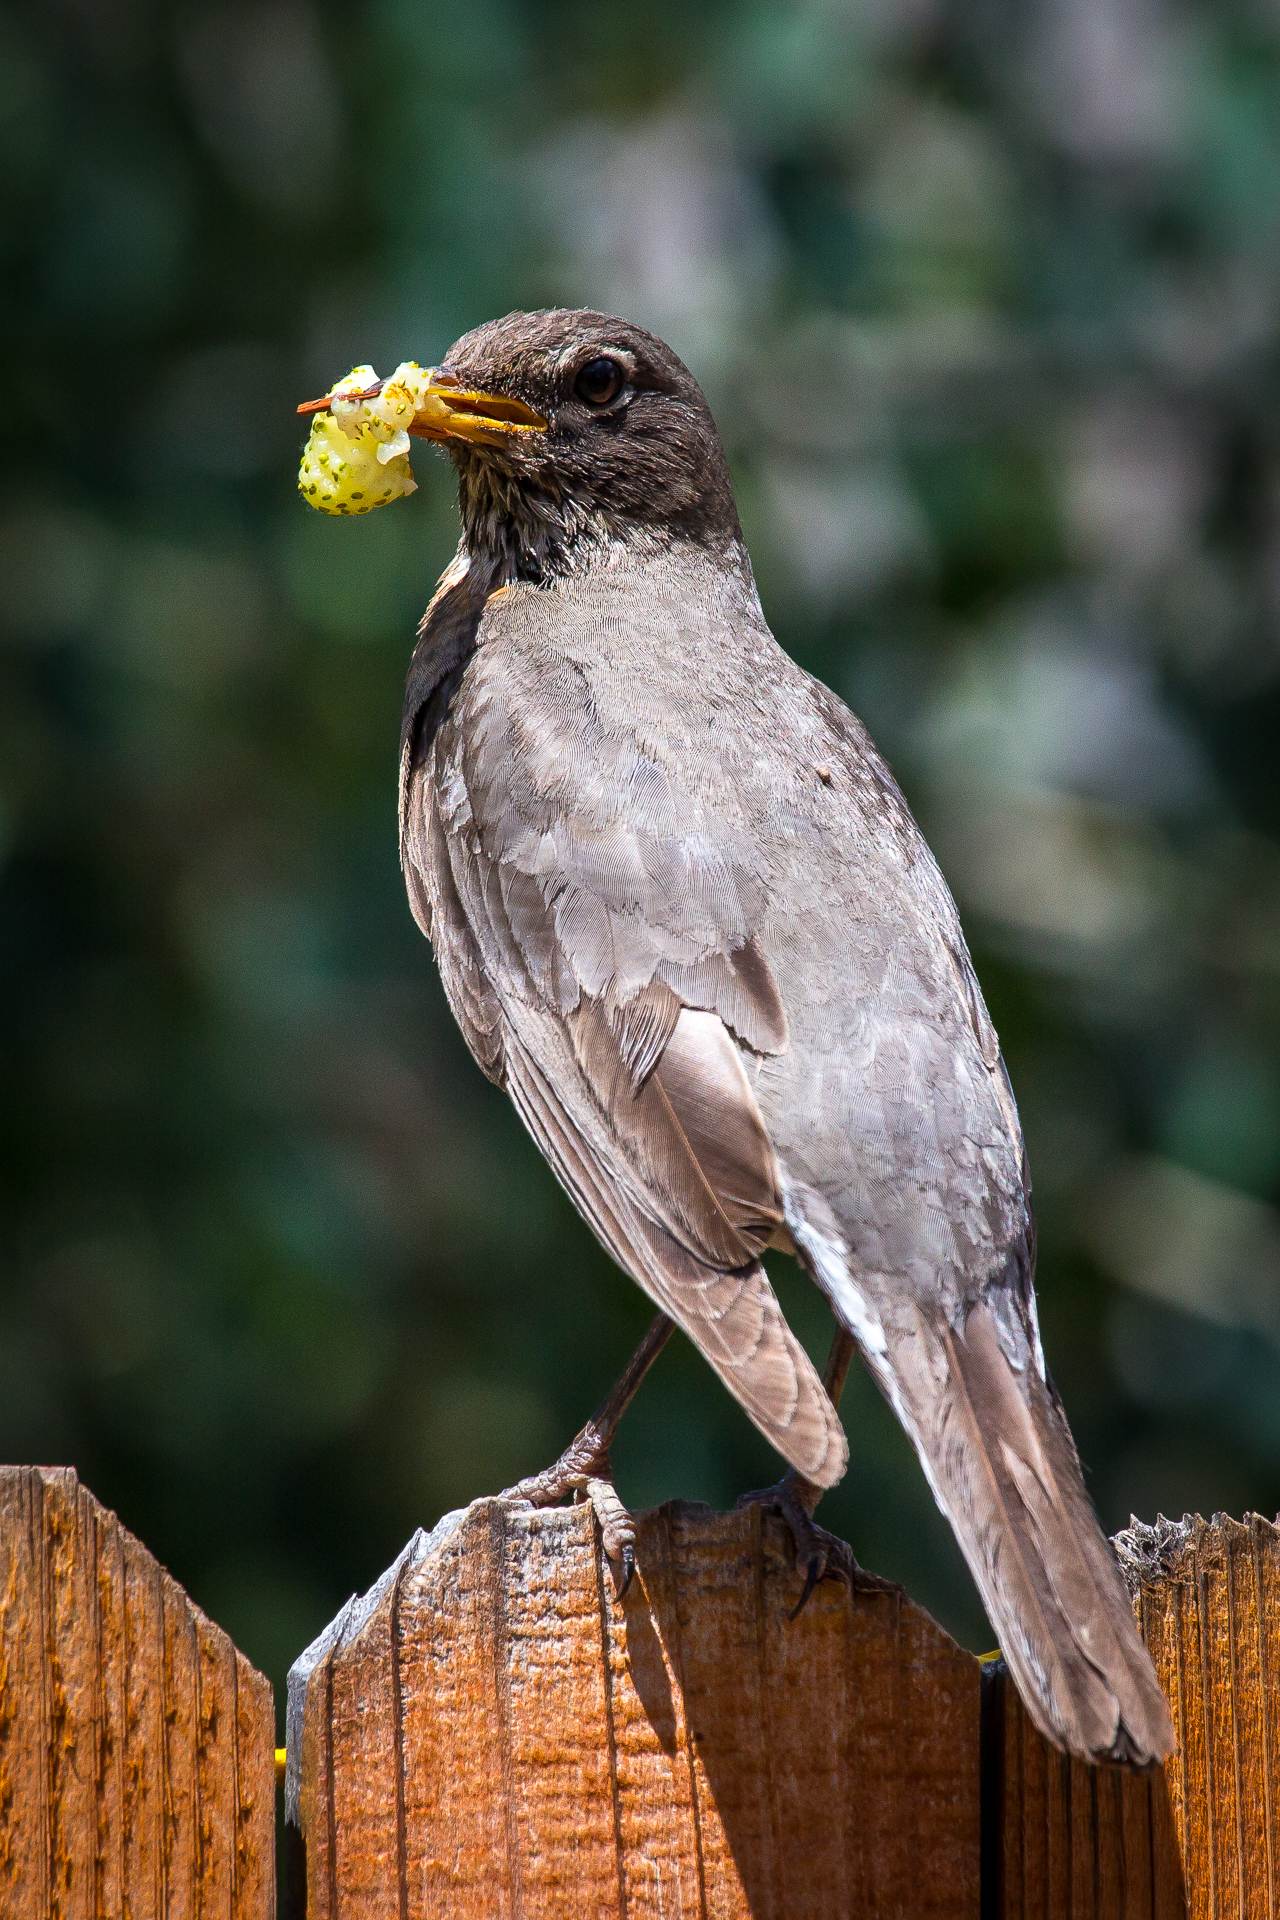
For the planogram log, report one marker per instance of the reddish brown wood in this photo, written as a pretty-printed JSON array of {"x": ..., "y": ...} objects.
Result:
[
  {"x": 1079, "y": 1842},
  {"x": 1209, "y": 1603},
  {"x": 136, "y": 1744},
  {"x": 490, "y": 1733},
  {"x": 1203, "y": 1836}
]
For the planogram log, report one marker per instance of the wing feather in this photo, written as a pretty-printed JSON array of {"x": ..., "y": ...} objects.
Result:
[
  {"x": 598, "y": 956},
  {"x": 732, "y": 1315}
]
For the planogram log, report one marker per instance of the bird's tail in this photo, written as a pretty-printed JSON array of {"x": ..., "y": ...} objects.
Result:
[{"x": 1000, "y": 1459}]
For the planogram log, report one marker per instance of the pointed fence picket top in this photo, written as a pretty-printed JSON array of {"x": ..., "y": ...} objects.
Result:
[
  {"x": 136, "y": 1744},
  {"x": 489, "y": 1734}
]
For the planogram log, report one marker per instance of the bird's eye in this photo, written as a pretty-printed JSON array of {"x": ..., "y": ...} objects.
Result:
[{"x": 600, "y": 381}]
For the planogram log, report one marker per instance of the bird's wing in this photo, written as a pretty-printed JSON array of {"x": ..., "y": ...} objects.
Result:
[{"x": 597, "y": 949}]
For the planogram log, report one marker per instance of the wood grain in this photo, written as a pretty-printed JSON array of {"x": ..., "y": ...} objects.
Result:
[
  {"x": 136, "y": 1762},
  {"x": 1202, "y": 1836},
  {"x": 1077, "y": 1842},
  {"x": 490, "y": 1735},
  {"x": 1209, "y": 1604}
]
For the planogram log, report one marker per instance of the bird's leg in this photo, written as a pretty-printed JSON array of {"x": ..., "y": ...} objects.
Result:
[
  {"x": 795, "y": 1499},
  {"x": 584, "y": 1471}
]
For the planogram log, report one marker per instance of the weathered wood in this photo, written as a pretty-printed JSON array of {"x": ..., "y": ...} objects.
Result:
[
  {"x": 490, "y": 1733},
  {"x": 1076, "y": 1842},
  {"x": 136, "y": 1763},
  {"x": 1202, "y": 1837},
  {"x": 1209, "y": 1604}
]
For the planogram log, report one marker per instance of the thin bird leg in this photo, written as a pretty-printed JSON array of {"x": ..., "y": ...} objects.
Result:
[
  {"x": 584, "y": 1470},
  {"x": 834, "y": 1375},
  {"x": 795, "y": 1499},
  {"x": 839, "y": 1360}
]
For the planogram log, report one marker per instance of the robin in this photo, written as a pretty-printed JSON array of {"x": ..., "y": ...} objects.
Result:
[{"x": 683, "y": 914}]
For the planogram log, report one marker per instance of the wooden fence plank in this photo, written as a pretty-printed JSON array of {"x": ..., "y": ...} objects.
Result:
[
  {"x": 1209, "y": 1602},
  {"x": 1079, "y": 1842},
  {"x": 144, "y": 1722},
  {"x": 136, "y": 1744},
  {"x": 687, "y": 1752},
  {"x": 110, "y": 1651},
  {"x": 1202, "y": 1836},
  {"x": 24, "y": 1732}
]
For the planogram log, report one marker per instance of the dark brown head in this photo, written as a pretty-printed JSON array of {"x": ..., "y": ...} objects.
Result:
[{"x": 629, "y": 452}]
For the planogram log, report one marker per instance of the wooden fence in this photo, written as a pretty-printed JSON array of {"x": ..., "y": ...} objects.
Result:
[{"x": 489, "y": 1735}]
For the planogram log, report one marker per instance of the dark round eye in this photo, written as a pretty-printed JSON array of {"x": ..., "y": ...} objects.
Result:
[{"x": 600, "y": 381}]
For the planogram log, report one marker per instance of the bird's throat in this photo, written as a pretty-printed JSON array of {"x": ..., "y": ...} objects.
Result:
[{"x": 520, "y": 528}]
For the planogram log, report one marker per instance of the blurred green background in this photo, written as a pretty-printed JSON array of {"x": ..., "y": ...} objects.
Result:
[{"x": 986, "y": 301}]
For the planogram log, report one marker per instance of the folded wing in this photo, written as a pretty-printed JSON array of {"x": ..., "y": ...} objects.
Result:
[{"x": 598, "y": 953}]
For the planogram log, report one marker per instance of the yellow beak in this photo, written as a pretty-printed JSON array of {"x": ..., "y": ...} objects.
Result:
[{"x": 449, "y": 411}]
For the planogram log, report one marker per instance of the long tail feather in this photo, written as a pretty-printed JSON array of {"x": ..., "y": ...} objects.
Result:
[{"x": 1000, "y": 1459}]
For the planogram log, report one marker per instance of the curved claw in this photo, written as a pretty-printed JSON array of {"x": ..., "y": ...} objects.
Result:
[
  {"x": 823, "y": 1556},
  {"x": 617, "y": 1529},
  {"x": 622, "y": 1580},
  {"x": 812, "y": 1574}
]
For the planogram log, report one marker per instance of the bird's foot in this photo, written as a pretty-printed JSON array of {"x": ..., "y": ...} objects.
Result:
[
  {"x": 583, "y": 1473},
  {"x": 822, "y": 1555}
]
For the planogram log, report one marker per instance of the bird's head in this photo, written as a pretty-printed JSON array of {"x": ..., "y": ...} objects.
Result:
[{"x": 575, "y": 435}]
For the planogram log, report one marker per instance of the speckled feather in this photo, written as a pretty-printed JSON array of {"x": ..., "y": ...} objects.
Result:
[{"x": 683, "y": 914}]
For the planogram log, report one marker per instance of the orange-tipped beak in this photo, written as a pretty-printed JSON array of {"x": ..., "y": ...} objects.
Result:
[{"x": 449, "y": 411}]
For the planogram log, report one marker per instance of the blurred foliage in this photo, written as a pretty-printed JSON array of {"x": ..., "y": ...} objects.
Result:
[{"x": 986, "y": 301}]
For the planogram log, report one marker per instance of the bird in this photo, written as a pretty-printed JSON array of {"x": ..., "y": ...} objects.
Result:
[{"x": 683, "y": 915}]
